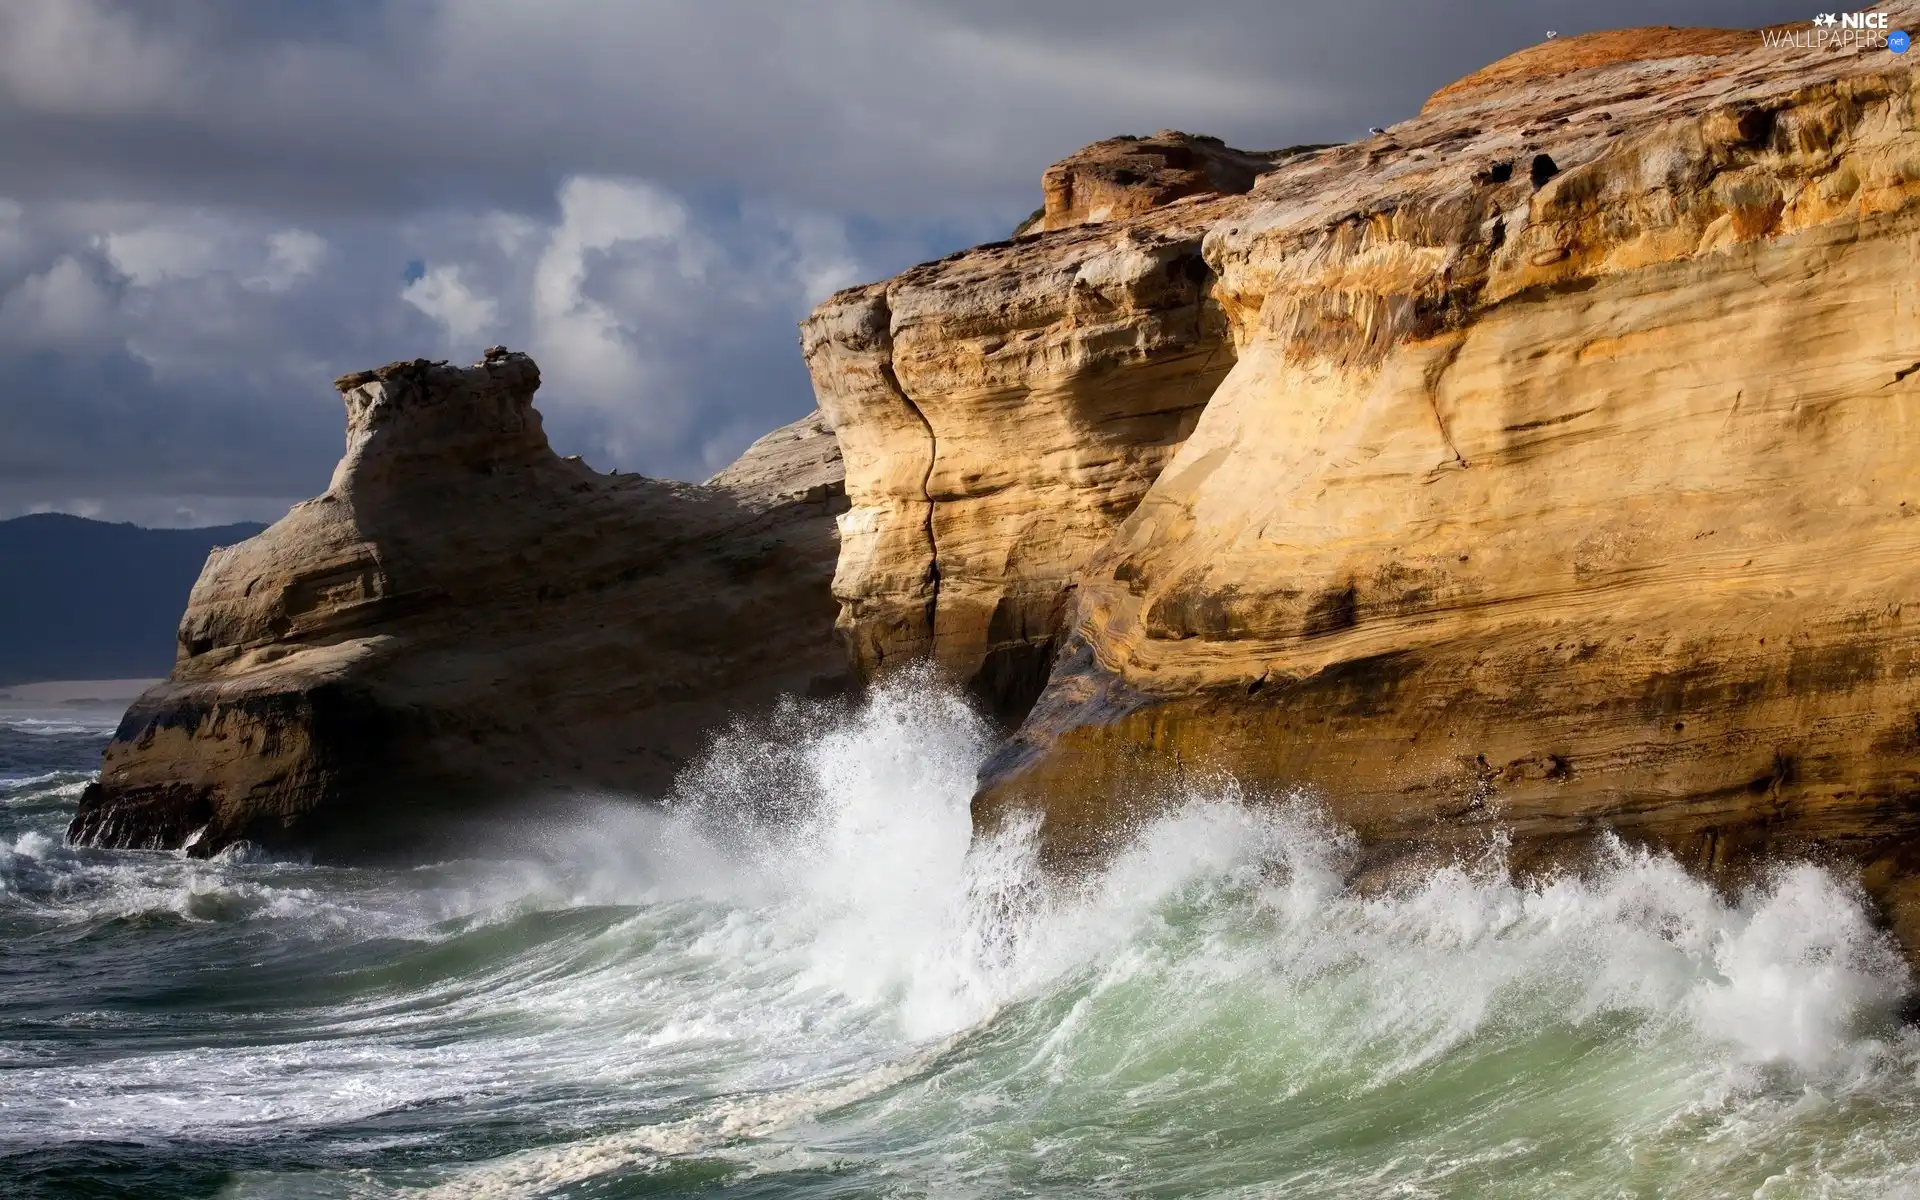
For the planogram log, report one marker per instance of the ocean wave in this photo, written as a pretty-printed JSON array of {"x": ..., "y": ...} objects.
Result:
[
  {"x": 860, "y": 992},
  {"x": 44, "y": 785},
  {"x": 61, "y": 726}
]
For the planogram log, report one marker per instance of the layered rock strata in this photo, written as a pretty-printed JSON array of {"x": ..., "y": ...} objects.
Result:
[
  {"x": 1127, "y": 176},
  {"x": 463, "y": 618},
  {"x": 1560, "y": 475},
  {"x": 1567, "y": 479},
  {"x": 1003, "y": 409}
]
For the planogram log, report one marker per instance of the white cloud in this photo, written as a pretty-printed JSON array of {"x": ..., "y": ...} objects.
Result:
[
  {"x": 155, "y": 247},
  {"x": 194, "y": 345},
  {"x": 585, "y": 345},
  {"x": 511, "y": 233},
  {"x": 293, "y": 255},
  {"x": 823, "y": 262},
  {"x": 64, "y": 306},
  {"x": 444, "y": 296},
  {"x": 151, "y": 255}
]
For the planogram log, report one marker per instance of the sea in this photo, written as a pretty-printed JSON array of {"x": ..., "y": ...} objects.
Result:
[{"x": 802, "y": 976}]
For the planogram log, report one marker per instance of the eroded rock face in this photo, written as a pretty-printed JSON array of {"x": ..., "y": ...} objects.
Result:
[
  {"x": 1565, "y": 480},
  {"x": 1560, "y": 57},
  {"x": 1001, "y": 411},
  {"x": 1127, "y": 176},
  {"x": 466, "y": 618}
]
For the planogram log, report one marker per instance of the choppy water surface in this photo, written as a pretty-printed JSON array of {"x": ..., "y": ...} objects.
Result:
[{"x": 850, "y": 1003}]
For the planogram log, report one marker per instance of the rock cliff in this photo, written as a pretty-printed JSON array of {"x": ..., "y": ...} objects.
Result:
[
  {"x": 1126, "y": 176},
  {"x": 1548, "y": 464},
  {"x": 465, "y": 617},
  {"x": 1003, "y": 409}
]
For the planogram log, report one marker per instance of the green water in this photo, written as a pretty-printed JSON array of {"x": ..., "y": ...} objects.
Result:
[{"x": 624, "y": 1002}]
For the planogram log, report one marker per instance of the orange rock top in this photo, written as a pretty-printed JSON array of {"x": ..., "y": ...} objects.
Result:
[
  {"x": 1126, "y": 176},
  {"x": 1602, "y": 49}
]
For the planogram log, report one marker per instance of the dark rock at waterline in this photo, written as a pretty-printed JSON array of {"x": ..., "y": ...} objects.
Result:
[{"x": 465, "y": 620}]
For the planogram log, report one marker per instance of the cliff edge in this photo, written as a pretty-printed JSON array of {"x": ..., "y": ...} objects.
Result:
[
  {"x": 1547, "y": 465},
  {"x": 1003, "y": 409},
  {"x": 466, "y": 619}
]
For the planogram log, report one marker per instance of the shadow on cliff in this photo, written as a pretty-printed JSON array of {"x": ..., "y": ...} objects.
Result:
[{"x": 466, "y": 624}]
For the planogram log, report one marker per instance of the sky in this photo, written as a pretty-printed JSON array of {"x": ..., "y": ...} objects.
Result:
[{"x": 211, "y": 208}]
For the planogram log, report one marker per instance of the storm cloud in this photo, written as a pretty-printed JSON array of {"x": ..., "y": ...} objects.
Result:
[{"x": 210, "y": 208}]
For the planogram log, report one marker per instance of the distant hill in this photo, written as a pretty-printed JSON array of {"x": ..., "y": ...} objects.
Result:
[{"x": 84, "y": 599}]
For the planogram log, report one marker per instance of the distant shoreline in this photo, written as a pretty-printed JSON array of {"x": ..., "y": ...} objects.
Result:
[{"x": 74, "y": 691}]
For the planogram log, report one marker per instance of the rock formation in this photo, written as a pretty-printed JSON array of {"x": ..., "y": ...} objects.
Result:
[
  {"x": 465, "y": 617},
  {"x": 1126, "y": 176},
  {"x": 1566, "y": 475},
  {"x": 1001, "y": 411}
]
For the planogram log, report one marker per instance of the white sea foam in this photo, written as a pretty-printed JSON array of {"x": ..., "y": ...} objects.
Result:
[
  {"x": 877, "y": 894},
  {"x": 732, "y": 986},
  {"x": 81, "y": 723},
  {"x": 41, "y": 785}
]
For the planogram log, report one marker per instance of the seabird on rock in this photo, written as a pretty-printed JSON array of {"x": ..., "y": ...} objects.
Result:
[{"x": 1375, "y": 129}]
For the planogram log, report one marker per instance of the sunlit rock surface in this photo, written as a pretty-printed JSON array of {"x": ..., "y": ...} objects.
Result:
[
  {"x": 1563, "y": 475},
  {"x": 1127, "y": 176},
  {"x": 1003, "y": 409}
]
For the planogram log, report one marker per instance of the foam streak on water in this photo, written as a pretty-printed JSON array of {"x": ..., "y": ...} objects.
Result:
[{"x": 801, "y": 979}]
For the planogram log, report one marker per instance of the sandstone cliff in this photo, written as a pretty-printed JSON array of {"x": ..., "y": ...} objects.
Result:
[
  {"x": 1003, "y": 409},
  {"x": 1565, "y": 476},
  {"x": 1126, "y": 176},
  {"x": 465, "y": 617}
]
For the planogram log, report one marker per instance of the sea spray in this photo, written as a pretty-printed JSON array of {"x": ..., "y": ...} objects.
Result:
[{"x": 804, "y": 976}]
